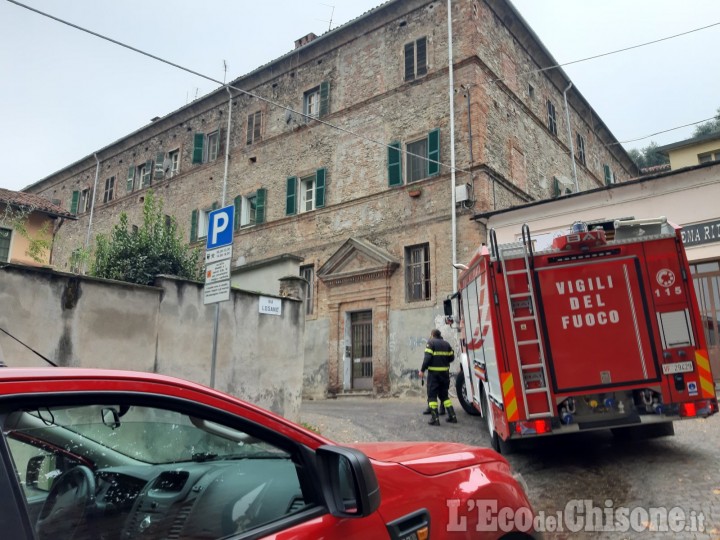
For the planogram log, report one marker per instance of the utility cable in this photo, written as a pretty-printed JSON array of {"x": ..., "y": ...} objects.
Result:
[
  {"x": 352, "y": 133},
  {"x": 247, "y": 93},
  {"x": 28, "y": 347}
]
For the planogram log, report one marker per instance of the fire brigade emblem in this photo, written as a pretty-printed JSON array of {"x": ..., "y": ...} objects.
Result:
[{"x": 665, "y": 277}]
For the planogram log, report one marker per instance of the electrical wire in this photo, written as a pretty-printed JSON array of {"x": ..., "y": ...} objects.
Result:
[{"x": 359, "y": 135}]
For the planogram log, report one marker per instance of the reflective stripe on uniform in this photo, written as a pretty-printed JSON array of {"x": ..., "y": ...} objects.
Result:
[{"x": 438, "y": 369}]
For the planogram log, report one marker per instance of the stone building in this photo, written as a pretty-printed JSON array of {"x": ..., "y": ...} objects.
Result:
[{"x": 338, "y": 154}]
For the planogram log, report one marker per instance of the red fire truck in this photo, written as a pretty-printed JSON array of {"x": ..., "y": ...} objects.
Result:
[{"x": 599, "y": 331}]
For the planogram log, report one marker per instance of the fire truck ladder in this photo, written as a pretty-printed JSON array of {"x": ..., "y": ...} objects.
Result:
[{"x": 525, "y": 248}]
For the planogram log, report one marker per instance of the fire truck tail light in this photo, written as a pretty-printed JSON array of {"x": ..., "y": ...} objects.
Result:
[
  {"x": 688, "y": 409},
  {"x": 532, "y": 427}
]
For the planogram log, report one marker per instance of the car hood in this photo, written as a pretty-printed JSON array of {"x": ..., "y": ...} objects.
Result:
[{"x": 429, "y": 458}]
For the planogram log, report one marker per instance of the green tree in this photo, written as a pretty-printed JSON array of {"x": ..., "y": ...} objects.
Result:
[
  {"x": 648, "y": 156},
  {"x": 711, "y": 126},
  {"x": 138, "y": 255}
]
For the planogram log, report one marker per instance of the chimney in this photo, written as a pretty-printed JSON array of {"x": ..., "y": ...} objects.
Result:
[{"x": 304, "y": 40}]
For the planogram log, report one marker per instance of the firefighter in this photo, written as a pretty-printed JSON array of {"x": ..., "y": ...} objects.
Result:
[{"x": 438, "y": 355}]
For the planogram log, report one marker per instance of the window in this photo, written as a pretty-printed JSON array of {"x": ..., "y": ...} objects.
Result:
[
  {"x": 109, "y": 189},
  {"x": 531, "y": 91},
  {"x": 213, "y": 145},
  {"x": 581, "y": 149},
  {"x": 415, "y": 59},
  {"x": 144, "y": 175},
  {"x": 709, "y": 156},
  {"x": 226, "y": 475},
  {"x": 316, "y": 102},
  {"x": 85, "y": 200},
  {"x": 199, "y": 221},
  {"x": 311, "y": 193},
  {"x": 253, "y": 127},
  {"x": 552, "y": 121},
  {"x": 609, "y": 175},
  {"x": 250, "y": 209},
  {"x": 422, "y": 159},
  {"x": 417, "y": 272},
  {"x": 174, "y": 159},
  {"x": 74, "y": 202},
  {"x": 5, "y": 236},
  {"x": 308, "y": 274},
  {"x": 206, "y": 147}
]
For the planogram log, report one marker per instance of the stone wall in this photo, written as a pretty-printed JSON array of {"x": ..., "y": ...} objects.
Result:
[{"x": 84, "y": 322}]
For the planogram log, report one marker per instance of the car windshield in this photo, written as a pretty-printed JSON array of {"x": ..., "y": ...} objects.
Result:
[{"x": 149, "y": 435}]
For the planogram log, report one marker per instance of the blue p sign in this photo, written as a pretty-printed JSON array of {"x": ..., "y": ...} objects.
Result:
[{"x": 220, "y": 227}]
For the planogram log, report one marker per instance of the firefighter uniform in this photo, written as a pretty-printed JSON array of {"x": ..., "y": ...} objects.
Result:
[{"x": 438, "y": 355}]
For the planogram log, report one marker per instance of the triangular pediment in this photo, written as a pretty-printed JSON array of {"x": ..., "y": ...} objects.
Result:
[{"x": 357, "y": 260}]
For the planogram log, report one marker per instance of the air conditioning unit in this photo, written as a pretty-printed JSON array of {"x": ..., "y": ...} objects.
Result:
[{"x": 463, "y": 193}]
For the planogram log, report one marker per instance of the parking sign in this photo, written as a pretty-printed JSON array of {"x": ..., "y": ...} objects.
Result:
[{"x": 220, "y": 227}]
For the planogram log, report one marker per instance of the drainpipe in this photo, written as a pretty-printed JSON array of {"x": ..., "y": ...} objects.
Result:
[
  {"x": 92, "y": 206},
  {"x": 213, "y": 359},
  {"x": 570, "y": 139},
  {"x": 451, "y": 91}
]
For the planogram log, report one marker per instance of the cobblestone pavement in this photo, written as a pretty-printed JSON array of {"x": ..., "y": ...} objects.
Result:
[{"x": 672, "y": 472}]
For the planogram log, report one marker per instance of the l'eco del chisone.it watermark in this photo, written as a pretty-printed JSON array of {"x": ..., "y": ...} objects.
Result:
[{"x": 578, "y": 515}]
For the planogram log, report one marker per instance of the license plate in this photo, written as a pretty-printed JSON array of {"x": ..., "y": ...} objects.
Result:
[{"x": 677, "y": 367}]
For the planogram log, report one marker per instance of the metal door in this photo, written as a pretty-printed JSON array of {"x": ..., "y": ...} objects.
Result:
[
  {"x": 706, "y": 277},
  {"x": 361, "y": 348}
]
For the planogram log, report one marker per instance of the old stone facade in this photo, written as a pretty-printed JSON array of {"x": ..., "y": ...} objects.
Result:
[{"x": 359, "y": 184}]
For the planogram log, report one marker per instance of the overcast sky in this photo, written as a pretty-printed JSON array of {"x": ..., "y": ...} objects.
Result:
[{"x": 65, "y": 94}]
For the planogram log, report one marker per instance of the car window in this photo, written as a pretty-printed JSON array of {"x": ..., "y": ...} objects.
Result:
[{"x": 137, "y": 471}]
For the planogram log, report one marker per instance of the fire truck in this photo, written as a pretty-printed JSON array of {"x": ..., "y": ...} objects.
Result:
[{"x": 600, "y": 330}]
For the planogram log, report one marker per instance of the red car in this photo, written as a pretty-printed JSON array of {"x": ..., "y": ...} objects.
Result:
[{"x": 115, "y": 455}]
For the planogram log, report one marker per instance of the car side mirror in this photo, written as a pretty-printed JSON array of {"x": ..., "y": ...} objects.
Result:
[{"x": 348, "y": 481}]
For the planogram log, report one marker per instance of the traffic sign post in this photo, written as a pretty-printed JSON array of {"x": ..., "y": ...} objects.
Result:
[{"x": 218, "y": 254}]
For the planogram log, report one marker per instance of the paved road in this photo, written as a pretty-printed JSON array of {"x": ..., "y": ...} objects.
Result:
[{"x": 681, "y": 471}]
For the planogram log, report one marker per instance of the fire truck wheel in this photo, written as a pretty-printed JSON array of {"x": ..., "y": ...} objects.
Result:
[
  {"x": 465, "y": 403},
  {"x": 502, "y": 447},
  {"x": 646, "y": 431}
]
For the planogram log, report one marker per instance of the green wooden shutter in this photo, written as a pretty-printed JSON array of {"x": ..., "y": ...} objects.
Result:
[
  {"x": 159, "y": 166},
  {"x": 74, "y": 202},
  {"x": 237, "y": 201},
  {"x": 556, "y": 187},
  {"x": 130, "y": 179},
  {"x": 324, "y": 98},
  {"x": 291, "y": 196},
  {"x": 608, "y": 175},
  {"x": 260, "y": 205},
  {"x": 215, "y": 205},
  {"x": 198, "y": 143},
  {"x": 320, "y": 188},
  {"x": 147, "y": 177},
  {"x": 193, "y": 226},
  {"x": 394, "y": 165},
  {"x": 433, "y": 152}
]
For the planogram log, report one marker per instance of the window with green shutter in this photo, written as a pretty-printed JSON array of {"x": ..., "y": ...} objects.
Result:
[
  {"x": 159, "y": 166},
  {"x": 130, "y": 179},
  {"x": 291, "y": 196},
  {"x": 147, "y": 169},
  {"x": 608, "y": 175},
  {"x": 320, "y": 188},
  {"x": 324, "y": 98},
  {"x": 260, "y": 206},
  {"x": 194, "y": 226},
  {"x": 237, "y": 202},
  {"x": 394, "y": 165},
  {"x": 198, "y": 148},
  {"x": 433, "y": 152},
  {"x": 74, "y": 202}
]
